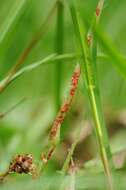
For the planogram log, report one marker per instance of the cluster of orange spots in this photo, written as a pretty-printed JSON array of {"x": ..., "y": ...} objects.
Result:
[
  {"x": 58, "y": 121},
  {"x": 66, "y": 106},
  {"x": 75, "y": 78}
]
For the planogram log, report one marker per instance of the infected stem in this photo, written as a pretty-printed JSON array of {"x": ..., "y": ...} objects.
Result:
[{"x": 54, "y": 135}]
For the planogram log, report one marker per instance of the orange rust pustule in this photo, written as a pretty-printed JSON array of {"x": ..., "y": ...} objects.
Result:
[
  {"x": 58, "y": 121},
  {"x": 65, "y": 108},
  {"x": 75, "y": 79},
  {"x": 97, "y": 11},
  {"x": 51, "y": 151}
]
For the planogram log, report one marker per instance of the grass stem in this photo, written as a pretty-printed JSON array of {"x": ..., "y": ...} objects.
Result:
[
  {"x": 59, "y": 50},
  {"x": 89, "y": 76}
]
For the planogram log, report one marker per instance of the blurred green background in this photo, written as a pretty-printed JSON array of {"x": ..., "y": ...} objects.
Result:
[{"x": 25, "y": 129}]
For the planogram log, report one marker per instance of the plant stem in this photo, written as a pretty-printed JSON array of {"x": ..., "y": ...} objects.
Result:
[
  {"x": 54, "y": 136},
  {"x": 89, "y": 76},
  {"x": 59, "y": 50},
  {"x": 71, "y": 151},
  {"x": 12, "y": 108}
]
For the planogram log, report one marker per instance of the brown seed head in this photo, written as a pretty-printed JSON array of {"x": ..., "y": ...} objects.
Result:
[{"x": 22, "y": 164}]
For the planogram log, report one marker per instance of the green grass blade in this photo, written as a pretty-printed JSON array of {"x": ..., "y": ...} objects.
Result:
[
  {"x": 116, "y": 59},
  {"x": 53, "y": 58},
  {"x": 59, "y": 50},
  {"x": 89, "y": 78},
  {"x": 70, "y": 153}
]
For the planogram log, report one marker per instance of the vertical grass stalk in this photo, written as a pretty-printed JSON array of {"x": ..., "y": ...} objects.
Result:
[
  {"x": 90, "y": 76},
  {"x": 71, "y": 151},
  {"x": 59, "y": 50}
]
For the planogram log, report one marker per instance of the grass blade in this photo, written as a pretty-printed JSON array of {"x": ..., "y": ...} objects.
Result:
[
  {"x": 53, "y": 58},
  {"x": 116, "y": 59},
  {"x": 59, "y": 50},
  {"x": 92, "y": 87},
  {"x": 70, "y": 153}
]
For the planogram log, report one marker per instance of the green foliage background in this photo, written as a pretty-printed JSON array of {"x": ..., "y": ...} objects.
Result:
[{"x": 25, "y": 129}]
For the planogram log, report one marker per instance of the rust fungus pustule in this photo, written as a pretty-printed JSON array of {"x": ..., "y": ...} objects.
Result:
[{"x": 97, "y": 11}]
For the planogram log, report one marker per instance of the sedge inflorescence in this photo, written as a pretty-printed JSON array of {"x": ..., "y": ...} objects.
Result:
[{"x": 22, "y": 164}]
